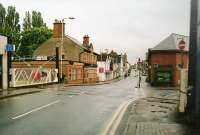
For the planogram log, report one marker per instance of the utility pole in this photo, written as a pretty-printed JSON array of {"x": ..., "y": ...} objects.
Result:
[
  {"x": 193, "y": 95},
  {"x": 57, "y": 63},
  {"x": 61, "y": 47},
  {"x": 9, "y": 62},
  {"x": 139, "y": 69},
  {"x": 197, "y": 62}
]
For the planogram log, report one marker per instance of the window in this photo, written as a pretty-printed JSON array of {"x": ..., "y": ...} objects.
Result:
[
  {"x": 79, "y": 74},
  {"x": 73, "y": 74}
]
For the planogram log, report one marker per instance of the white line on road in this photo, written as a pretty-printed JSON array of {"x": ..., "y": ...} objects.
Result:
[{"x": 36, "y": 109}]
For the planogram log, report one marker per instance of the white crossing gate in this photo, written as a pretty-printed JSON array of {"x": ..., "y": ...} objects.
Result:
[{"x": 32, "y": 76}]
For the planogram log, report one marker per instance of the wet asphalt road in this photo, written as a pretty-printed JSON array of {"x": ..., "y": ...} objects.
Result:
[{"x": 80, "y": 110}]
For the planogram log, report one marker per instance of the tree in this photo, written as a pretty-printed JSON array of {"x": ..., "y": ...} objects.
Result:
[
  {"x": 27, "y": 21},
  {"x": 12, "y": 26},
  {"x": 32, "y": 38},
  {"x": 34, "y": 33},
  {"x": 2, "y": 18},
  {"x": 37, "y": 20}
]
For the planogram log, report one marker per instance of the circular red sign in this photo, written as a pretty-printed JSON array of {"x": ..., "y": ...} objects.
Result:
[{"x": 182, "y": 45}]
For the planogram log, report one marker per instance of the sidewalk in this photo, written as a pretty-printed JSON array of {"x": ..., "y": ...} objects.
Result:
[
  {"x": 92, "y": 84},
  {"x": 153, "y": 115},
  {"x": 17, "y": 92},
  {"x": 35, "y": 89}
]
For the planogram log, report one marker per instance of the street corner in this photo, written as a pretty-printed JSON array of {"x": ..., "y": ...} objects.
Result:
[{"x": 151, "y": 116}]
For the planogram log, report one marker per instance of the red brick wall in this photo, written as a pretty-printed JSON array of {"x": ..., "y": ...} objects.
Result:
[
  {"x": 179, "y": 61},
  {"x": 74, "y": 74},
  {"x": 88, "y": 58},
  {"x": 90, "y": 75},
  {"x": 86, "y": 40},
  {"x": 170, "y": 58},
  {"x": 57, "y": 30}
]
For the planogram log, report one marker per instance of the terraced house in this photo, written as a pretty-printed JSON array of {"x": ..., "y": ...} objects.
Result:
[{"x": 79, "y": 61}]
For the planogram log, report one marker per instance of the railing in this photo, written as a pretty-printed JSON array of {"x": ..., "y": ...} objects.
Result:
[{"x": 32, "y": 76}]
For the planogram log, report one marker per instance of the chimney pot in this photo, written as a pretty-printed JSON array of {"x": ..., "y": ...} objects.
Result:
[
  {"x": 86, "y": 40},
  {"x": 57, "y": 29}
]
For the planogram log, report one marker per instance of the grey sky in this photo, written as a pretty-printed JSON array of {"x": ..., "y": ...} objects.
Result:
[{"x": 130, "y": 26}]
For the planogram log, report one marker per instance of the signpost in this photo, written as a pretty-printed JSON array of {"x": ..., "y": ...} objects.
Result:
[
  {"x": 9, "y": 49},
  {"x": 182, "y": 46}
]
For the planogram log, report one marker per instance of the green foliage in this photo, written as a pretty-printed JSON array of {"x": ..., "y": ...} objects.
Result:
[
  {"x": 37, "y": 20},
  {"x": 9, "y": 23},
  {"x": 32, "y": 38},
  {"x": 2, "y": 18},
  {"x": 27, "y": 21},
  {"x": 33, "y": 20},
  {"x": 34, "y": 31}
]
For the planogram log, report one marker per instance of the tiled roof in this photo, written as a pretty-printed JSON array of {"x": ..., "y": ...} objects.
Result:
[
  {"x": 71, "y": 48},
  {"x": 171, "y": 43}
]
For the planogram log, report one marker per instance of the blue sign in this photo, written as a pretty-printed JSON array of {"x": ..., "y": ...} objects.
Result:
[{"x": 10, "y": 47}]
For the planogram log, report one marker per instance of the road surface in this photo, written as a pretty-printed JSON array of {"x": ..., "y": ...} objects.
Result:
[{"x": 59, "y": 110}]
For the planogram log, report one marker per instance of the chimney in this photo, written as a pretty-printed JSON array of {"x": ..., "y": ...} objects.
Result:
[
  {"x": 57, "y": 28},
  {"x": 86, "y": 40}
]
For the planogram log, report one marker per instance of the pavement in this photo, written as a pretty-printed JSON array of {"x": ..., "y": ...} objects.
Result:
[
  {"x": 17, "y": 92},
  {"x": 12, "y": 92},
  {"x": 154, "y": 114}
]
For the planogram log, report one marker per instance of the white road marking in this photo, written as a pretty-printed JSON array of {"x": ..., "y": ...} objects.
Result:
[{"x": 36, "y": 109}]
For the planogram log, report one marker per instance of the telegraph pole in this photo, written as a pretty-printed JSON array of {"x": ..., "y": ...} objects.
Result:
[
  {"x": 193, "y": 97},
  {"x": 9, "y": 62},
  {"x": 57, "y": 63}
]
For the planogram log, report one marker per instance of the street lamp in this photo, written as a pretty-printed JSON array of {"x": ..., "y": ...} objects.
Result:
[
  {"x": 139, "y": 68},
  {"x": 181, "y": 46},
  {"x": 62, "y": 41}
]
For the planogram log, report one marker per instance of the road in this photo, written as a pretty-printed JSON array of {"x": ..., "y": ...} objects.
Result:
[{"x": 59, "y": 110}]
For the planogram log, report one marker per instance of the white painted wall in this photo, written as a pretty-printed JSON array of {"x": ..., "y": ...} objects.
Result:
[
  {"x": 106, "y": 74},
  {"x": 102, "y": 76},
  {"x": 3, "y": 43}
]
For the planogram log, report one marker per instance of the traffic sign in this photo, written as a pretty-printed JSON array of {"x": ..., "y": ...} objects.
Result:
[
  {"x": 10, "y": 47},
  {"x": 182, "y": 45}
]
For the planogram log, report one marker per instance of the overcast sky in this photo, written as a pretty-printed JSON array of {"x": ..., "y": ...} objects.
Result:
[{"x": 130, "y": 26}]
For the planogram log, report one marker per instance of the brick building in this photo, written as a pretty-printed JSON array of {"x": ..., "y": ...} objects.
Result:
[
  {"x": 80, "y": 60},
  {"x": 165, "y": 61},
  {"x": 89, "y": 58}
]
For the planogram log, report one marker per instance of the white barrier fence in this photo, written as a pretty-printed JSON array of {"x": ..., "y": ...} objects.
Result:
[{"x": 32, "y": 76}]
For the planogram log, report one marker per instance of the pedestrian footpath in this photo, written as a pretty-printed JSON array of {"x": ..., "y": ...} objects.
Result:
[
  {"x": 17, "y": 92},
  {"x": 153, "y": 115},
  {"x": 11, "y": 92}
]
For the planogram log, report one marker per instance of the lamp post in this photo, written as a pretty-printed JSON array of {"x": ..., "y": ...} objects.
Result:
[
  {"x": 139, "y": 68},
  {"x": 62, "y": 41}
]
